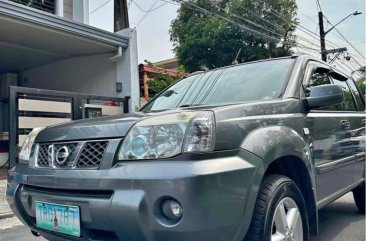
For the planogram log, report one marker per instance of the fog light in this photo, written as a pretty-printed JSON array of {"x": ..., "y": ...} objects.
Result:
[{"x": 172, "y": 210}]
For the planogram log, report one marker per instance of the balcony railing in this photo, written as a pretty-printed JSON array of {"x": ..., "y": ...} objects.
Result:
[{"x": 44, "y": 5}]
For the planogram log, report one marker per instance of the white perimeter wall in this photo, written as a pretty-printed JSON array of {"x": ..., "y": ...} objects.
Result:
[{"x": 94, "y": 74}]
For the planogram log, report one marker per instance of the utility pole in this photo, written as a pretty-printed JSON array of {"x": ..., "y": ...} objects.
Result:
[
  {"x": 324, "y": 51},
  {"x": 120, "y": 15},
  {"x": 322, "y": 36}
]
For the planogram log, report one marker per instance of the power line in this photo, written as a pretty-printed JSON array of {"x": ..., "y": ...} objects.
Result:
[
  {"x": 319, "y": 7},
  {"x": 349, "y": 43},
  {"x": 251, "y": 22},
  {"x": 256, "y": 24},
  {"x": 356, "y": 62},
  {"x": 310, "y": 18},
  {"x": 317, "y": 27},
  {"x": 241, "y": 26},
  {"x": 301, "y": 27},
  {"x": 100, "y": 7},
  {"x": 129, "y": 4},
  {"x": 147, "y": 13},
  {"x": 309, "y": 32},
  {"x": 316, "y": 30},
  {"x": 263, "y": 19},
  {"x": 280, "y": 28},
  {"x": 345, "y": 38},
  {"x": 307, "y": 47}
]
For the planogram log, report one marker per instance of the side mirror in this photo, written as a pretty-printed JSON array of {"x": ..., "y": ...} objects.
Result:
[{"x": 325, "y": 95}]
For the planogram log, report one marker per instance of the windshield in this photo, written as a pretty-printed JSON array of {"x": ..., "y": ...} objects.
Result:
[{"x": 242, "y": 83}]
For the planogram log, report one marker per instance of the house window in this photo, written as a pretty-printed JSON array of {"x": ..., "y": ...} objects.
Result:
[{"x": 44, "y": 5}]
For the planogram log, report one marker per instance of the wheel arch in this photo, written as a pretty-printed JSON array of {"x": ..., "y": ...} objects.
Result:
[{"x": 295, "y": 168}]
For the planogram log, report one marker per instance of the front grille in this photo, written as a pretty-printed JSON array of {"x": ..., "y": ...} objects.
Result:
[
  {"x": 43, "y": 159},
  {"x": 92, "y": 154},
  {"x": 81, "y": 155}
]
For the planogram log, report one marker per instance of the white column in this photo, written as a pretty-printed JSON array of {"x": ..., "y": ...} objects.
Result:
[
  {"x": 127, "y": 70},
  {"x": 86, "y": 11},
  {"x": 59, "y": 8},
  {"x": 81, "y": 11}
]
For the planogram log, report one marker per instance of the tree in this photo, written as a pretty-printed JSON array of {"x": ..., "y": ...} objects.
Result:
[
  {"x": 157, "y": 84},
  {"x": 204, "y": 40},
  {"x": 163, "y": 79},
  {"x": 361, "y": 81}
]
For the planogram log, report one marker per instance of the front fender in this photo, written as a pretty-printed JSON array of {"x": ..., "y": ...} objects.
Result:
[{"x": 273, "y": 142}]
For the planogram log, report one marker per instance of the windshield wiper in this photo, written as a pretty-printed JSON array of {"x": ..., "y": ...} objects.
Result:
[{"x": 189, "y": 105}]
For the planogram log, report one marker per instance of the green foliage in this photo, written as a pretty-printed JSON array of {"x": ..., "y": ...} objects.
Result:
[
  {"x": 361, "y": 81},
  {"x": 163, "y": 80},
  {"x": 202, "y": 40},
  {"x": 157, "y": 84},
  {"x": 361, "y": 85}
]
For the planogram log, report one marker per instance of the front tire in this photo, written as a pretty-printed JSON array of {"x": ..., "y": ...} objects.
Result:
[
  {"x": 279, "y": 213},
  {"x": 359, "y": 197}
]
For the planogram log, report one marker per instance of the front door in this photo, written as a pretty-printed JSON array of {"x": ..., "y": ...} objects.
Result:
[{"x": 331, "y": 131}]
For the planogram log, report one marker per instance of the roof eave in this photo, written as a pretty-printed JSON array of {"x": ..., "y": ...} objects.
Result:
[{"x": 43, "y": 19}]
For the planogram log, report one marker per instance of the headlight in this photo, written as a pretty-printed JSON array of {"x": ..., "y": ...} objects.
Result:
[
  {"x": 27, "y": 147},
  {"x": 169, "y": 135}
]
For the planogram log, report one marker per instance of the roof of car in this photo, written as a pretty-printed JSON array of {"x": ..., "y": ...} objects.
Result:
[{"x": 304, "y": 57}]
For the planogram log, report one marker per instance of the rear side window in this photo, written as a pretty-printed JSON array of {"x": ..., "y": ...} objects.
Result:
[
  {"x": 356, "y": 94},
  {"x": 348, "y": 103}
]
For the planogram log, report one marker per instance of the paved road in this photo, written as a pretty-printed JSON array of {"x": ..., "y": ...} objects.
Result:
[{"x": 339, "y": 221}]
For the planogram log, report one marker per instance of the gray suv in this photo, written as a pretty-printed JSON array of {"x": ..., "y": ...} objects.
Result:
[{"x": 248, "y": 152}]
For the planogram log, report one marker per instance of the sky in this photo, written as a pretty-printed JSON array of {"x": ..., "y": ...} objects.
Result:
[{"x": 153, "y": 27}]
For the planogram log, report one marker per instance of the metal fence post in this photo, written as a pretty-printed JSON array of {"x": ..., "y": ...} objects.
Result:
[
  {"x": 13, "y": 126},
  {"x": 77, "y": 107},
  {"x": 126, "y": 104}
]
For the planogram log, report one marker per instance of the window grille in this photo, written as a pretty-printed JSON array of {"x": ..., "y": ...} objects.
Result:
[{"x": 44, "y": 5}]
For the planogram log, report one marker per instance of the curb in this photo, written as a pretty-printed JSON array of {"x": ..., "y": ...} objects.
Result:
[
  {"x": 5, "y": 211},
  {"x": 6, "y": 215}
]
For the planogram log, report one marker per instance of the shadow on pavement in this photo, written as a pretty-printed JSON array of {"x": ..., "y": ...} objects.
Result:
[{"x": 341, "y": 221}]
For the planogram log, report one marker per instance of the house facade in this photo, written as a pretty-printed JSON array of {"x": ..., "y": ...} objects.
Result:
[{"x": 49, "y": 44}]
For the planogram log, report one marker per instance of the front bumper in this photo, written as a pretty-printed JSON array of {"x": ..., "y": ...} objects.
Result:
[{"x": 217, "y": 192}]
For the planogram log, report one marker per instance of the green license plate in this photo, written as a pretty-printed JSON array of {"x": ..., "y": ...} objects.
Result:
[{"x": 59, "y": 218}]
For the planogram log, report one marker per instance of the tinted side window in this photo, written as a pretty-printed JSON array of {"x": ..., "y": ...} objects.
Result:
[
  {"x": 348, "y": 103},
  {"x": 356, "y": 94},
  {"x": 317, "y": 79}
]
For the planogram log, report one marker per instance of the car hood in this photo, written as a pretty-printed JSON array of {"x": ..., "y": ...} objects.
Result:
[
  {"x": 98, "y": 128},
  {"x": 117, "y": 126}
]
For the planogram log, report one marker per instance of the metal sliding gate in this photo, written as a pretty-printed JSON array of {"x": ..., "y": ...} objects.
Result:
[{"x": 30, "y": 108}]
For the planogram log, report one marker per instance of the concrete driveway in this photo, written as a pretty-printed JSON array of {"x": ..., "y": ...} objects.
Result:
[{"x": 339, "y": 221}]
